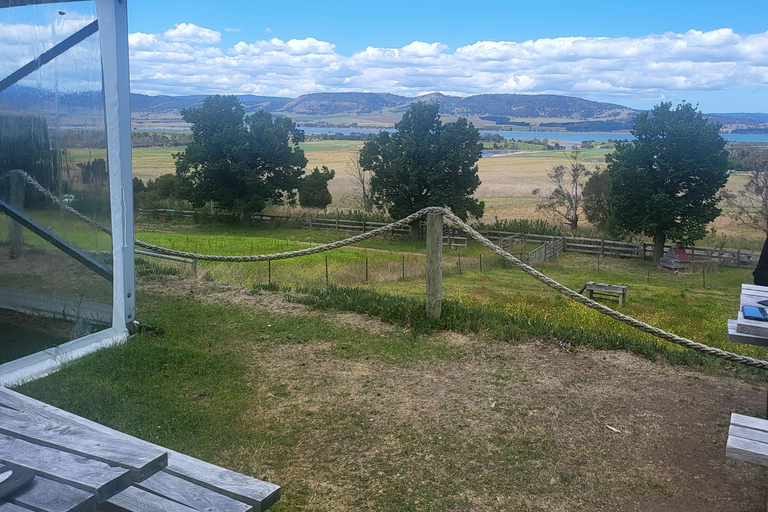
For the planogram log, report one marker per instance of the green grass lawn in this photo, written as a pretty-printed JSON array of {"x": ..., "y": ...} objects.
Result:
[{"x": 675, "y": 302}]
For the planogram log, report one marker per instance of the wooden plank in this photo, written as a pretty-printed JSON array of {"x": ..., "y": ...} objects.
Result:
[
  {"x": 89, "y": 475},
  {"x": 139, "y": 500},
  {"x": 753, "y": 327},
  {"x": 190, "y": 494},
  {"x": 749, "y": 422},
  {"x": 745, "y": 449},
  {"x": 736, "y": 337},
  {"x": 756, "y": 289},
  {"x": 255, "y": 492},
  {"x": 43, "y": 495},
  {"x": 603, "y": 287},
  {"x": 45, "y": 427},
  {"x": 258, "y": 493},
  {"x": 760, "y": 436},
  {"x": 6, "y": 506}
]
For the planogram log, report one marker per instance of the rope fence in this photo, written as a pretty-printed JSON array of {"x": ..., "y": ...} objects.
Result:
[{"x": 471, "y": 232}]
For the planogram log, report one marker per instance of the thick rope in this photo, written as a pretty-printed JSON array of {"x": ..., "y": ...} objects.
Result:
[{"x": 600, "y": 308}]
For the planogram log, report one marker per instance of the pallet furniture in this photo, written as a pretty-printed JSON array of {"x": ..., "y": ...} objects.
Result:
[
  {"x": 748, "y": 439},
  {"x": 82, "y": 466},
  {"x": 611, "y": 291},
  {"x": 753, "y": 332}
]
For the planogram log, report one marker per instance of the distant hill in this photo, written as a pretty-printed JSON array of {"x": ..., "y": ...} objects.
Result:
[
  {"x": 500, "y": 105},
  {"x": 333, "y": 103},
  {"x": 28, "y": 99},
  {"x": 358, "y": 109},
  {"x": 166, "y": 104},
  {"x": 754, "y": 116}
]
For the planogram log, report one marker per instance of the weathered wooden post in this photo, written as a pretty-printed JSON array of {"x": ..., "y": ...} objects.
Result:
[
  {"x": 16, "y": 200},
  {"x": 434, "y": 264}
]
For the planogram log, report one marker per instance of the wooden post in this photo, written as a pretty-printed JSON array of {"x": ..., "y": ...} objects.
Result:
[
  {"x": 16, "y": 199},
  {"x": 602, "y": 247},
  {"x": 434, "y": 264},
  {"x": 194, "y": 267},
  {"x": 643, "y": 251},
  {"x": 310, "y": 223},
  {"x": 269, "y": 272}
]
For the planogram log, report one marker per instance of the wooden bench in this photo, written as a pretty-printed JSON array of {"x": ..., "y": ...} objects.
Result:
[
  {"x": 611, "y": 291},
  {"x": 82, "y": 466},
  {"x": 748, "y": 439}
]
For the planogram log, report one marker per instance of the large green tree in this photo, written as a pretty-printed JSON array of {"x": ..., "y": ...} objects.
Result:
[
  {"x": 664, "y": 183},
  {"x": 313, "y": 190},
  {"x": 242, "y": 163},
  {"x": 425, "y": 163}
]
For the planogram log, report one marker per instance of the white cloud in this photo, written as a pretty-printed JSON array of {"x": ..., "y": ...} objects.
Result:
[
  {"x": 186, "y": 59},
  {"x": 229, "y": 29},
  {"x": 192, "y": 34}
]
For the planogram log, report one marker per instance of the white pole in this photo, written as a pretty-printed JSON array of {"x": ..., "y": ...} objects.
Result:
[{"x": 113, "y": 35}]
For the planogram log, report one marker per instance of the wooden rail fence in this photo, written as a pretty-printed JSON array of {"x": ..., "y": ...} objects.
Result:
[{"x": 506, "y": 240}]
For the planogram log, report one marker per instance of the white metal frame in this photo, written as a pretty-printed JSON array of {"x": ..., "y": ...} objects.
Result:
[{"x": 113, "y": 36}]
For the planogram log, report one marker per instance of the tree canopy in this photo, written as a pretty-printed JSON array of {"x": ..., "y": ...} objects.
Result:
[
  {"x": 595, "y": 202},
  {"x": 425, "y": 163},
  {"x": 664, "y": 184},
  {"x": 313, "y": 189},
  {"x": 242, "y": 163}
]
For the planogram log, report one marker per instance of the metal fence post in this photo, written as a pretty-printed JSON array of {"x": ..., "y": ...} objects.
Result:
[{"x": 434, "y": 264}]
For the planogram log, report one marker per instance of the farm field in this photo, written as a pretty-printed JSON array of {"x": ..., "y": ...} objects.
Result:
[{"x": 508, "y": 182}]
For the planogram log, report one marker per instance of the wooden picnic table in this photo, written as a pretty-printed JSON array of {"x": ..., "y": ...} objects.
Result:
[{"x": 82, "y": 466}]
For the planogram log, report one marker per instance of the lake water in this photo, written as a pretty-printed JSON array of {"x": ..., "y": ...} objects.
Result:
[{"x": 562, "y": 137}]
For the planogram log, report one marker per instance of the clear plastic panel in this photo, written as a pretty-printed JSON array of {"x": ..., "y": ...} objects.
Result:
[{"x": 52, "y": 129}]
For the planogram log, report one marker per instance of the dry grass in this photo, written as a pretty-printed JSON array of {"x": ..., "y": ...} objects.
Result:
[
  {"x": 507, "y": 181},
  {"x": 378, "y": 420}
]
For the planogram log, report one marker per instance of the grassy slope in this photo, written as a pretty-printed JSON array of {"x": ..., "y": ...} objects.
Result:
[
  {"x": 346, "y": 414},
  {"x": 675, "y": 302}
]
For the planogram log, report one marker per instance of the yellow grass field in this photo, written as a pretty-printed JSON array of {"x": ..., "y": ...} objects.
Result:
[{"x": 508, "y": 180}]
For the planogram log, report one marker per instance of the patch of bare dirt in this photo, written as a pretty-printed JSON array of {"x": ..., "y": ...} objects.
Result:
[{"x": 492, "y": 426}]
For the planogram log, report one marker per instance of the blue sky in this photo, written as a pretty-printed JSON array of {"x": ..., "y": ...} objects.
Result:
[
  {"x": 714, "y": 54},
  {"x": 353, "y": 25}
]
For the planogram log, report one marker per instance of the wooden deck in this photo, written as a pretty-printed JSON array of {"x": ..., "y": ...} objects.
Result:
[{"x": 82, "y": 466}]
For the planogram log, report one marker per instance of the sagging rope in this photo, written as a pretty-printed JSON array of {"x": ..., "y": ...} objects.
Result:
[{"x": 600, "y": 308}]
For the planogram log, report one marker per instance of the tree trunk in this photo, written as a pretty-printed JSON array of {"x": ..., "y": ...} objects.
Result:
[
  {"x": 416, "y": 230},
  {"x": 658, "y": 247},
  {"x": 574, "y": 222}
]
